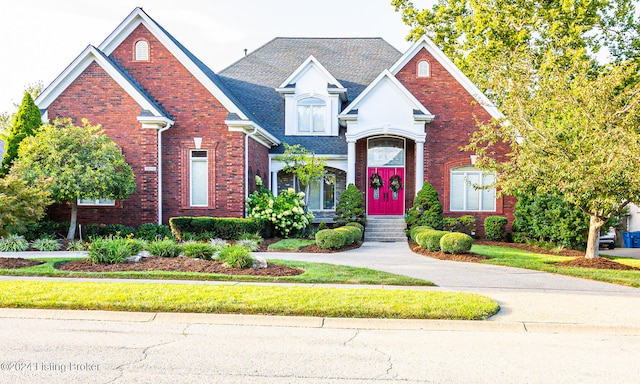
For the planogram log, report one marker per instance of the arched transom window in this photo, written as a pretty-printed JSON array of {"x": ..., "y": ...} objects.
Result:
[{"x": 424, "y": 69}]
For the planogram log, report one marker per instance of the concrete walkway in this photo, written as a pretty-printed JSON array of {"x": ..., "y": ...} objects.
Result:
[{"x": 525, "y": 296}]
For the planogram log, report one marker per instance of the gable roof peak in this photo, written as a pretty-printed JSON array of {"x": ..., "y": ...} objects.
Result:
[{"x": 304, "y": 67}]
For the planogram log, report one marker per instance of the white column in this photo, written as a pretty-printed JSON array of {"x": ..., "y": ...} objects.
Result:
[
  {"x": 274, "y": 183},
  {"x": 351, "y": 162},
  {"x": 419, "y": 165}
]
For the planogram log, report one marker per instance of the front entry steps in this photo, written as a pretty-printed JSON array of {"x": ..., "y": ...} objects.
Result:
[{"x": 385, "y": 228}]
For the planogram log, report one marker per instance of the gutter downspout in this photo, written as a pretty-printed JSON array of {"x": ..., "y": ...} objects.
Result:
[
  {"x": 246, "y": 167},
  {"x": 160, "y": 171}
]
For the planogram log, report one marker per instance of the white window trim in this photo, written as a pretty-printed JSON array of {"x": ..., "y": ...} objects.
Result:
[
  {"x": 191, "y": 161},
  {"x": 335, "y": 203},
  {"x": 96, "y": 203},
  {"x": 466, "y": 191},
  {"x": 428, "y": 69}
]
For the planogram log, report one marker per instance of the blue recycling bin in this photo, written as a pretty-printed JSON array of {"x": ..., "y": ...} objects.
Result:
[
  {"x": 626, "y": 239},
  {"x": 635, "y": 239}
]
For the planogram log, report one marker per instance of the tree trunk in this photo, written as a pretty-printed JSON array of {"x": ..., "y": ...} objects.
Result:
[
  {"x": 594, "y": 235},
  {"x": 74, "y": 219}
]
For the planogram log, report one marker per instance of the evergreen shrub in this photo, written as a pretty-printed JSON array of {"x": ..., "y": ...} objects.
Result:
[
  {"x": 352, "y": 235},
  {"x": 464, "y": 224},
  {"x": 330, "y": 239},
  {"x": 426, "y": 209},
  {"x": 350, "y": 207},
  {"x": 456, "y": 242},
  {"x": 495, "y": 228}
]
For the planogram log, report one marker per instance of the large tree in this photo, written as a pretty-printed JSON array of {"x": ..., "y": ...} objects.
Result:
[
  {"x": 24, "y": 123},
  {"x": 82, "y": 163},
  {"x": 573, "y": 131}
]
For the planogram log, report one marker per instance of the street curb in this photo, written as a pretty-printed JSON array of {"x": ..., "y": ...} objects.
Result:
[{"x": 319, "y": 322}]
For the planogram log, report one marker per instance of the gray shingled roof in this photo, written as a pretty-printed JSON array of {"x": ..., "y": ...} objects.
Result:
[{"x": 354, "y": 62}]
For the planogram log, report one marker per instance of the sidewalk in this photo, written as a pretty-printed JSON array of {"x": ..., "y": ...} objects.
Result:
[{"x": 525, "y": 296}]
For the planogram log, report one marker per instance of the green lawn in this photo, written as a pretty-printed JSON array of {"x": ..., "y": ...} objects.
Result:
[
  {"x": 289, "y": 301},
  {"x": 290, "y": 244},
  {"x": 542, "y": 262},
  {"x": 315, "y": 273}
]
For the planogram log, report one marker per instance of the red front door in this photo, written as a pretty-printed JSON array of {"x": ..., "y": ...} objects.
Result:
[{"x": 389, "y": 198}]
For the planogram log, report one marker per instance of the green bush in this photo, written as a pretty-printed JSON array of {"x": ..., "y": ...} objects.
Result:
[
  {"x": 330, "y": 239},
  {"x": 106, "y": 230},
  {"x": 197, "y": 250},
  {"x": 212, "y": 227},
  {"x": 236, "y": 256},
  {"x": 13, "y": 243},
  {"x": 548, "y": 218},
  {"x": 42, "y": 229},
  {"x": 285, "y": 212},
  {"x": 495, "y": 228},
  {"x": 430, "y": 239},
  {"x": 357, "y": 225},
  {"x": 350, "y": 207},
  {"x": 413, "y": 232},
  {"x": 76, "y": 245},
  {"x": 456, "y": 242},
  {"x": 152, "y": 232},
  {"x": 46, "y": 245},
  {"x": 426, "y": 209},
  {"x": 250, "y": 244},
  {"x": 112, "y": 250},
  {"x": 352, "y": 235},
  {"x": 464, "y": 224},
  {"x": 164, "y": 248}
]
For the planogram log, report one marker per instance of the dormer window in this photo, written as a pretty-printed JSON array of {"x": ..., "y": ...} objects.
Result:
[
  {"x": 142, "y": 51},
  {"x": 311, "y": 115},
  {"x": 424, "y": 69}
]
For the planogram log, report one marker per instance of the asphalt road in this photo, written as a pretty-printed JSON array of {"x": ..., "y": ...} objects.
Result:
[{"x": 169, "y": 349}]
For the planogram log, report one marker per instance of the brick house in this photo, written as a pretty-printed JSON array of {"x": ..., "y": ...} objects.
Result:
[{"x": 196, "y": 139}]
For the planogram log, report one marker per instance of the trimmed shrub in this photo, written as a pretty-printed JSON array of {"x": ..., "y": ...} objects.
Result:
[
  {"x": 351, "y": 234},
  {"x": 46, "y": 245},
  {"x": 215, "y": 227},
  {"x": 13, "y": 243},
  {"x": 430, "y": 239},
  {"x": 464, "y": 224},
  {"x": 413, "y": 232},
  {"x": 350, "y": 207},
  {"x": 113, "y": 250},
  {"x": 164, "y": 248},
  {"x": 197, "y": 250},
  {"x": 426, "y": 209},
  {"x": 495, "y": 228},
  {"x": 236, "y": 256},
  {"x": 357, "y": 225},
  {"x": 330, "y": 239},
  {"x": 152, "y": 232},
  {"x": 106, "y": 230},
  {"x": 456, "y": 242}
]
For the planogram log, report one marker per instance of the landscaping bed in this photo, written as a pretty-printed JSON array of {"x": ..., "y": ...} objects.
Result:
[
  {"x": 469, "y": 257},
  {"x": 15, "y": 263},
  {"x": 178, "y": 264},
  {"x": 264, "y": 247}
]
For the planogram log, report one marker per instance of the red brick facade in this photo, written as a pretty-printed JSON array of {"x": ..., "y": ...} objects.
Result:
[
  {"x": 456, "y": 112},
  {"x": 197, "y": 114}
]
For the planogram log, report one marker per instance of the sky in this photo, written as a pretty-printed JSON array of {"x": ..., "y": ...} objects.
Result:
[{"x": 40, "y": 38}]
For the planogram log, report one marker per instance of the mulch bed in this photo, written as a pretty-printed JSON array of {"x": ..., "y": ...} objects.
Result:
[
  {"x": 580, "y": 261},
  {"x": 15, "y": 263},
  {"x": 178, "y": 264}
]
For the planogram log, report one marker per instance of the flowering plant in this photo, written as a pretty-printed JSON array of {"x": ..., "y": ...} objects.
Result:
[
  {"x": 285, "y": 212},
  {"x": 375, "y": 181},
  {"x": 395, "y": 183}
]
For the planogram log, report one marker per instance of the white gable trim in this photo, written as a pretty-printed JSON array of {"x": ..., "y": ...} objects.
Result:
[
  {"x": 137, "y": 17},
  {"x": 426, "y": 115},
  {"x": 253, "y": 130},
  {"x": 470, "y": 87},
  {"x": 77, "y": 67},
  {"x": 304, "y": 67}
]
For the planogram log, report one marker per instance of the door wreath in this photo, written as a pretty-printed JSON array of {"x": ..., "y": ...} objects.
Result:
[
  {"x": 395, "y": 183},
  {"x": 375, "y": 181}
]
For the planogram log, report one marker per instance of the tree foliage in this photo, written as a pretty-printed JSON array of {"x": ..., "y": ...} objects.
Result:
[
  {"x": 20, "y": 203},
  {"x": 82, "y": 162},
  {"x": 24, "y": 123},
  {"x": 304, "y": 165}
]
